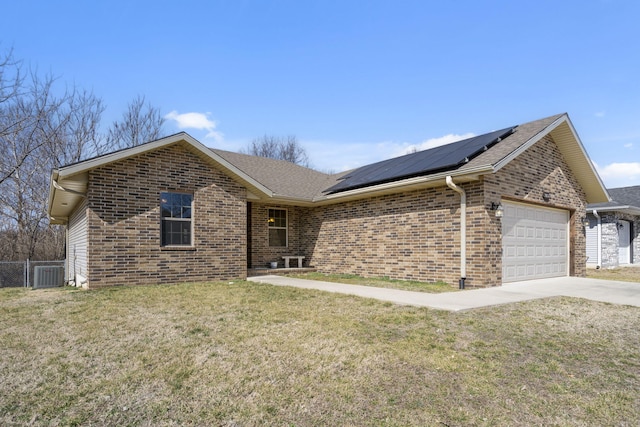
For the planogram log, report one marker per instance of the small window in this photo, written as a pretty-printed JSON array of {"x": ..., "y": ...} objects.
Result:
[
  {"x": 175, "y": 219},
  {"x": 277, "y": 227}
]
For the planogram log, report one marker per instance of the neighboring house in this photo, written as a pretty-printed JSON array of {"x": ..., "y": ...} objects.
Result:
[
  {"x": 613, "y": 235},
  {"x": 505, "y": 206}
]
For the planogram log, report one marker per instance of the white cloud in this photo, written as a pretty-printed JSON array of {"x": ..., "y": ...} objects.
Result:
[
  {"x": 629, "y": 145},
  {"x": 434, "y": 142},
  {"x": 600, "y": 114},
  {"x": 353, "y": 155},
  {"x": 200, "y": 121},
  {"x": 620, "y": 174}
]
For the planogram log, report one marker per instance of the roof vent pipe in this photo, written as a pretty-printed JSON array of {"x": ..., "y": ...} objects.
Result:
[{"x": 463, "y": 229}]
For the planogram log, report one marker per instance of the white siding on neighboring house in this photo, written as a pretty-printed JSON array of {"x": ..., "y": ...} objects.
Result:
[
  {"x": 592, "y": 240},
  {"x": 77, "y": 244}
]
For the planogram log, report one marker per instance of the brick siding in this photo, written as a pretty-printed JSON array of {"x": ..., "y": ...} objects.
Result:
[
  {"x": 124, "y": 221},
  {"x": 610, "y": 239},
  {"x": 413, "y": 235},
  {"x": 261, "y": 253},
  {"x": 416, "y": 235},
  {"x": 542, "y": 169}
]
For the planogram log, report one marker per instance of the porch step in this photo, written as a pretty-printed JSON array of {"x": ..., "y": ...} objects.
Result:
[{"x": 264, "y": 271}]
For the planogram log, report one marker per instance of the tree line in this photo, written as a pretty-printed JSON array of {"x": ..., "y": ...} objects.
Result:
[{"x": 42, "y": 127}]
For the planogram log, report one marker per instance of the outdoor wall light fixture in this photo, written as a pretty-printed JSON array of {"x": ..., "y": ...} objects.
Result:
[
  {"x": 498, "y": 208},
  {"x": 585, "y": 221},
  {"x": 546, "y": 196}
]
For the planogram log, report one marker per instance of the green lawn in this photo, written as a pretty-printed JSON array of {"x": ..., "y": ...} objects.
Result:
[
  {"x": 245, "y": 354},
  {"x": 625, "y": 274}
]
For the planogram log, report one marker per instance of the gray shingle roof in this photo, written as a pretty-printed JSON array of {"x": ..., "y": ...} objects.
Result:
[
  {"x": 293, "y": 181},
  {"x": 622, "y": 198},
  {"x": 504, "y": 148},
  {"x": 283, "y": 178},
  {"x": 626, "y": 195}
]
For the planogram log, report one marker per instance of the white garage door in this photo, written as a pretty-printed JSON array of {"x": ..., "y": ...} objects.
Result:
[{"x": 535, "y": 242}]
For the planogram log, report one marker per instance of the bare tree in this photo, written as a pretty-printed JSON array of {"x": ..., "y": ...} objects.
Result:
[
  {"x": 10, "y": 76},
  {"x": 139, "y": 124},
  {"x": 72, "y": 131},
  {"x": 43, "y": 127},
  {"x": 282, "y": 148},
  {"x": 39, "y": 130}
]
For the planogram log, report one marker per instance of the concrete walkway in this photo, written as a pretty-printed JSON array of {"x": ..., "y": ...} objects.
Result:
[{"x": 625, "y": 293}]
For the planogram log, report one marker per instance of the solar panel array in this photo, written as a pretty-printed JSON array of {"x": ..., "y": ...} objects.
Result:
[{"x": 421, "y": 163}]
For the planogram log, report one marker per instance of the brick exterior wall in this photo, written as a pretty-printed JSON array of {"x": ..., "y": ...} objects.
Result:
[
  {"x": 416, "y": 235},
  {"x": 609, "y": 232},
  {"x": 261, "y": 253},
  {"x": 610, "y": 240},
  {"x": 413, "y": 235},
  {"x": 124, "y": 221},
  {"x": 542, "y": 169}
]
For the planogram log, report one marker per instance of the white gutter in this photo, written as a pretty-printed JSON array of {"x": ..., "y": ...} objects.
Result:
[
  {"x": 599, "y": 238},
  {"x": 470, "y": 173},
  {"x": 68, "y": 190},
  {"x": 463, "y": 229}
]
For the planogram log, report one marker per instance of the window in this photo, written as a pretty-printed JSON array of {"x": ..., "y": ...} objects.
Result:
[
  {"x": 277, "y": 227},
  {"x": 175, "y": 219}
]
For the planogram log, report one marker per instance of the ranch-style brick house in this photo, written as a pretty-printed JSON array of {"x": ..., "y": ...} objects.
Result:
[{"x": 505, "y": 206}]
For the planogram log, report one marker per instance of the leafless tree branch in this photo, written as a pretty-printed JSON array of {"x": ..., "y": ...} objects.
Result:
[{"x": 283, "y": 148}]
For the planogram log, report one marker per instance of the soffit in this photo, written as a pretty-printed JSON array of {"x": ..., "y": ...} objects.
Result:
[
  {"x": 576, "y": 157},
  {"x": 69, "y": 183}
]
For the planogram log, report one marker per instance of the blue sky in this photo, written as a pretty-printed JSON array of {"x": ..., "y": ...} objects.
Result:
[{"x": 355, "y": 81}]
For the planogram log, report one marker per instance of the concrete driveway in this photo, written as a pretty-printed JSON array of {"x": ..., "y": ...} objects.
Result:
[{"x": 624, "y": 293}]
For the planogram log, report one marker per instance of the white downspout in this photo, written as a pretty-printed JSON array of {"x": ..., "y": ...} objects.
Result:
[
  {"x": 599, "y": 238},
  {"x": 463, "y": 229}
]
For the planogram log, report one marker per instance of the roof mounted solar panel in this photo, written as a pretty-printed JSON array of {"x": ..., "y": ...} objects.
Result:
[{"x": 425, "y": 162}]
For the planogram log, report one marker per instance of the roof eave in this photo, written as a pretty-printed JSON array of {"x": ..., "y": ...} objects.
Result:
[
  {"x": 574, "y": 153},
  {"x": 163, "y": 142},
  {"x": 427, "y": 181},
  {"x": 76, "y": 171},
  {"x": 632, "y": 210},
  {"x": 52, "y": 191}
]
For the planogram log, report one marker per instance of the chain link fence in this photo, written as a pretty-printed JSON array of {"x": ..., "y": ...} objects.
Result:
[{"x": 20, "y": 274}]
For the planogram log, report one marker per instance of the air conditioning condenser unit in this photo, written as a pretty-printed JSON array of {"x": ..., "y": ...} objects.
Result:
[{"x": 48, "y": 276}]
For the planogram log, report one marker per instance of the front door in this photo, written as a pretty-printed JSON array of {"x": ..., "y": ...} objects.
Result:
[{"x": 624, "y": 242}]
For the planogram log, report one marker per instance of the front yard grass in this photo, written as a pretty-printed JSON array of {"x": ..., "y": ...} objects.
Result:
[
  {"x": 625, "y": 274},
  {"x": 379, "y": 282},
  {"x": 246, "y": 354}
]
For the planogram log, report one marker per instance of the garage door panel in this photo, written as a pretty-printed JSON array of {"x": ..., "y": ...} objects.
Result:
[{"x": 535, "y": 243}]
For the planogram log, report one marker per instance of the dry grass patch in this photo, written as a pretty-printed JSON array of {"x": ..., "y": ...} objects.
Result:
[
  {"x": 625, "y": 274},
  {"x": 379, "y": 282},
  {"x": 247, "y": 354}
]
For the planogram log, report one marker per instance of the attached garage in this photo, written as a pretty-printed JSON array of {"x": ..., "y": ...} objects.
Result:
[{"x": 535, "y": 242}]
